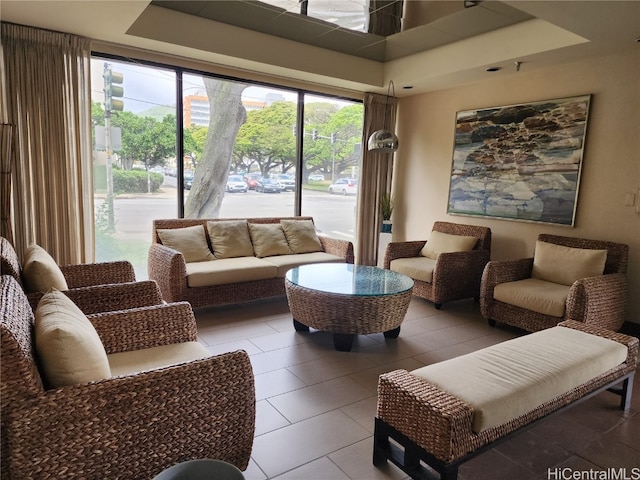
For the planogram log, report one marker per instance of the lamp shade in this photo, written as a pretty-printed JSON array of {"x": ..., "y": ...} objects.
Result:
[{"x": 382, "y": 141}]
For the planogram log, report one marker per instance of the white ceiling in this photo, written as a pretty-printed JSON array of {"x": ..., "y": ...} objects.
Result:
[{"x": 451, "y": 51}]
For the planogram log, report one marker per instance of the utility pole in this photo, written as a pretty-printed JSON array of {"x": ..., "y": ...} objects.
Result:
[{"x": 110, "y": 91}]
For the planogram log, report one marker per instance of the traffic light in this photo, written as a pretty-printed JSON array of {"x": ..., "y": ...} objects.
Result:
[
  {"x": 334, "y": 136},
  {"x": 112, "y": 88},
  {"x": 294, "y": 130},
  {"x": 314, "y": 134}
]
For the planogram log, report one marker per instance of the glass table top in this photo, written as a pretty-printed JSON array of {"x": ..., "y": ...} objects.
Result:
[{"x": 347, "y": 279}]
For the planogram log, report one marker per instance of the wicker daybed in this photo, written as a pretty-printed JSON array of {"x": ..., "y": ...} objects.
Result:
[
  {"x": 419, "y": 411},
  {"x": 168, "y": 268}
]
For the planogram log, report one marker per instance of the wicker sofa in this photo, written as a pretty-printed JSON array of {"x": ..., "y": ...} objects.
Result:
[
  {"x": 446, "y": 413},
  {"x": 128, "y": 426},
  {"x": 233, "y": 283}
]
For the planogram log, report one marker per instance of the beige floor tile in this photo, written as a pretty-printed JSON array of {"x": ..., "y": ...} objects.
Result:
[
  {"x": 245, "y": 345},
  {"x": 290, "y": 447},
  {"x": 357, "y": 461},
  {"x": 321, "y": 469},
  {"x": 319, "y": 398},
  {"x": 279, "y": 340},
  {"x": 268, "y": 418},
  {"x": 363, "y": 412},
  {"x": 276, "y": 382},
  {"x": 316, "y": 372},
  {"x": 235, "y": 333},
  {"x": 286, "y": 357}
]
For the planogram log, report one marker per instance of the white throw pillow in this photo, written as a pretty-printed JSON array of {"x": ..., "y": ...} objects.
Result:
[
  {"x": 68, "y": 346},
  {"x": 564, "y": 265},
  {"x": 301, "y": 236},
  {"x": 446, "y": 243},
  {"x": 190, "y": 241},
  {"x": 268, "y": 239},
  {"x": 41, "y": 272},
  {"x": 230, "y": 238}
]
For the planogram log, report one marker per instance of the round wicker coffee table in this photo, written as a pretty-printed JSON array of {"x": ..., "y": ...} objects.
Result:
[{"x": 347, "y": 300}]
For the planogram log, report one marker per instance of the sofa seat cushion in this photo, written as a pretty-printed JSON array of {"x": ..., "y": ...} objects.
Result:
[
  {"x": 533, "y": 294},
  {"x": 286, "y": 262},
  {"x": 512, "y": 378},
  {"x": 418, "y": 268},
  {"x": 130, "y": 363},
  {"x": 229, "y": 270}
]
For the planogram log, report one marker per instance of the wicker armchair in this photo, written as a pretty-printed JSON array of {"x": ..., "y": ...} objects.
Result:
[
  {"x": 455, "y": 275},
  {"x": 94, "y": 287},
  {"x": 600, "y": 300},
  {"x": 127, "y": 427}
]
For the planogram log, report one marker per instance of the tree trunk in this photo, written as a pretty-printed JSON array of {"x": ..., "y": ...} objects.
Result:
[{"x": 227, "y": 114}]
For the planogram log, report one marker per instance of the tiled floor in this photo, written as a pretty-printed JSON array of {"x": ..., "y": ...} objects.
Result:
[{"x": 315, "y": 406}]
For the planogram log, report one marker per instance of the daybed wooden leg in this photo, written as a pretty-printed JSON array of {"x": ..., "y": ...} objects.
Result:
[
  {"x": 392, "y": 333},
  {"x": 300, "y": 327}
]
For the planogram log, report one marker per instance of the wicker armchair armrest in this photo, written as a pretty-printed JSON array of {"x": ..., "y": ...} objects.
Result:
[
  {"x": 460, "y": 266},
  {"x": 87, "y": 274},
  {"x": 167, "y": 267},
  {"x": 631, "y": 342},
  {"x": 106, "y": 298},
  {"x": 336, "y": 246},
  {"x": 145, "y": 327},
  {"x": 600, "y": 300},
  {"x": 429, "y": 416},
  {"x": 402, "y": 250},
  {"x": 136, "y": 426}
]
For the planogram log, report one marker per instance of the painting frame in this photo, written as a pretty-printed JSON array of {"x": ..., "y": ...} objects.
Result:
[{"x": 520, "y": 162}]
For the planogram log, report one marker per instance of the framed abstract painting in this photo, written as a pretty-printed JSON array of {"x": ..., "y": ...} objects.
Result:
[{"x": 519, "y": 162}]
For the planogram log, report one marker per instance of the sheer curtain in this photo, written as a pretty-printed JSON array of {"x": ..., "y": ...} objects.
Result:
[
  {"x": 46, "y": 95},
  {"x": 375, "y": 178},
  {"x": 385, "y": 17}
]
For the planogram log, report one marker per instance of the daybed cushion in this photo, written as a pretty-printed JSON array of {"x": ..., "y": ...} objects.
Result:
[
  {"x": 190, "y": 241},
  {"x": 230, "y": 238},
  {"x": 130, "y": 363},
  {"x": 229, "y": 270},
  {"x": 301, "y": 236},
  {"x": 41, "y": 272},
  {"x": 418, "y": 268},
  {"x": 67, "y": 344},
  {"x": 446, "y": 243},
  {"x": 286, "y": 262},
  {"x": 268, "y": 239},
  {"x": 533, "y": 294},
  {"x": 565, "y": 265},
  {"x": 512, "y": 378}
]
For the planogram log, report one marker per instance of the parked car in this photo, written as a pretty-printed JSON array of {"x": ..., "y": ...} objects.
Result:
[
  {"x": 345, "y": 186},
  {"x": 235, "y": 183},
  {"x": 287, "y": 182},
  {"x": 252, "y": 180},
  {"x": 188, "y": 180},
  {"x": 316, "y": 177},
  {"x": 268, "y": 185}
]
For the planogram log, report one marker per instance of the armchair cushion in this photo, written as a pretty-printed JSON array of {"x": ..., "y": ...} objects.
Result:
[
  {"x": 301, "y": 236},
  {"x": 190, "y": 241},
  {"x": 67, "y": 344},
  {"x": 268, "y": 239},
  {"x": 446, "y": 243},
  {"x": 230, "y": 238},
  {"x": 418, "y": 268},
  {"x": 41, "y": 272},
  {"x": 534, "y": 294},
  {"x": 565, "y": 265},
  {"x": 136, "y": 361}
]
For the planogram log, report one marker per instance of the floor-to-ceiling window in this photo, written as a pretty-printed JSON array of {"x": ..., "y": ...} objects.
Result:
[{"x": 171, "y": 143}]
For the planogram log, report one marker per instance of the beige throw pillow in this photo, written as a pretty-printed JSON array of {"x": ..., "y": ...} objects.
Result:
[
  {"x": 564, "y": 265},
  {"x": 301, "y": 236},
  {"x": 67, "y": 344},
  {"x": 446, "y": 243},
  {"x": 41, "y": 272},
  {"x": 230, "y": 238},
  {"x": 191, "y": 242},
  {"x": 268, "y": 239}
]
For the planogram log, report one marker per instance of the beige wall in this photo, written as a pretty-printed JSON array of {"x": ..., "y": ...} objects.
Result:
[{"x": 611, "y": 163}]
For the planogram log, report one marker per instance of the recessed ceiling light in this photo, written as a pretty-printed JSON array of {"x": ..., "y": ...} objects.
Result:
[{"x": 493, "y": 69}]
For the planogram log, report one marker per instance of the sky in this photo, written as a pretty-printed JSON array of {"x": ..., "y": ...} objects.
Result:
[{"x": 146, "y": 87}]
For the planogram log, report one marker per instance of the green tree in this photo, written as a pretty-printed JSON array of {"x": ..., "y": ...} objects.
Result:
[{"x": 266, "y": 138}]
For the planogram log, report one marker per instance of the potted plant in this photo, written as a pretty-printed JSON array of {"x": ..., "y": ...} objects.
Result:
[{"x": 386, "y": 209}]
